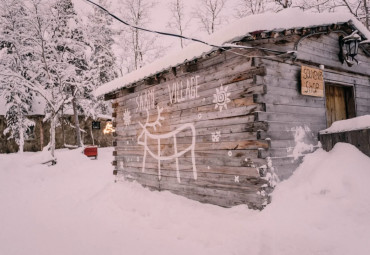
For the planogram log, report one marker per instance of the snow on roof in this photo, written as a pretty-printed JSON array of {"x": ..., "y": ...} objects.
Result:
[
  {"x": 287, "y": 19},
  {"x": 362, "y": 122}
]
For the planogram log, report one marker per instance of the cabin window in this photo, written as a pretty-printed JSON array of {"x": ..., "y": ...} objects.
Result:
[
  {"x": 96, "y": 125},
  {"x": 30, "y": 133},
  {"x": 340, "y": 103}
]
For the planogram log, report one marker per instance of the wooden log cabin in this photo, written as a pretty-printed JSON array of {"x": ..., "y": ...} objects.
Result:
[{"x": 222, "y": 124}]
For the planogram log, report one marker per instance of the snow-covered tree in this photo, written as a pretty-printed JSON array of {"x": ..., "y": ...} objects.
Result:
[
  {"x": 102, "y": 59},
  {"x": 13, "y": 57},
  {"x": 18, "y": 105},
  {"x": 69, "y": 46},
  {"x": 40, "y": 69}
]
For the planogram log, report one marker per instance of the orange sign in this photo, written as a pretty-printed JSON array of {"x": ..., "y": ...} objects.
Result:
[{"x": 312, "y": 82}]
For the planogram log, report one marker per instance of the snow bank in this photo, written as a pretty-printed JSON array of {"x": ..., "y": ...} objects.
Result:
[
  {"x": 362, "y": 122},
  {"x": 237, "y": 30},
  {"x": 324, "y": 208},
  {"x": 76, "y": 208}
]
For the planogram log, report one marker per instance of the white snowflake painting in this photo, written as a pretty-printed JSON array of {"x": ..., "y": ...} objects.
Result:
[
  {"x": 127, "y": 118},
  {"x": 216, "y": 136},
  {"x": 221, "y": 98}
]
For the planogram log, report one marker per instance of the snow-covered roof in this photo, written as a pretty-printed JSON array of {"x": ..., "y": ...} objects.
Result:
[
  {"x": 362, "y": 122},
  {"x": 287, "y": 19}
]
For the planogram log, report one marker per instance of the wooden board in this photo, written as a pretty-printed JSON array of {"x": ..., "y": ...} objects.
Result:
[
  {"x": 335, "y": 104},
  {"x": 358, "y": 138},
  {"x": 312, "y": 82}
]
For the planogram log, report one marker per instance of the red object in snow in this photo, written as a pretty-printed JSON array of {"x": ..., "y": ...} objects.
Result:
[{"x": 91, "y": 151}]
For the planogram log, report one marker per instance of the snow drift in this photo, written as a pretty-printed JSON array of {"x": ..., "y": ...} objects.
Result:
[{"x": 76, "y": 207}]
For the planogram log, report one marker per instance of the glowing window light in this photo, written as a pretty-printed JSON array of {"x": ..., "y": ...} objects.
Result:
[{"x": 108, "y": 128}]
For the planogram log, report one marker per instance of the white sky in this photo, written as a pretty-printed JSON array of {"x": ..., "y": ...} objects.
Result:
[{"x": 160, "y": 15}]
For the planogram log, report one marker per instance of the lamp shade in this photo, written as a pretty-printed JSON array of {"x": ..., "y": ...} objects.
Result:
[{"x": 349, "y": 47}]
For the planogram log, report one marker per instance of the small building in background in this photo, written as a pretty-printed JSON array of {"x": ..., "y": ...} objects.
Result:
[
  {"x": 222, "y": 124},
  {"x": 38, "y": 136}
]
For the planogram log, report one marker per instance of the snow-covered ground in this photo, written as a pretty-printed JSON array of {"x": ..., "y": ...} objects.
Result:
[{"x": 76, "y": 208}]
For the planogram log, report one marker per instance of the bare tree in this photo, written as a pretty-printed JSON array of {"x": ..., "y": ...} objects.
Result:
[
  {"x": 137, "y": 12},
  {"x": 284, "y": 3},
  {"x": 209, "y": 14},
  {"x": 358, "y": 8},
  {"x": 314, "y": 5},
  {"x": 178, "y": 21},
  {"x": 251, "y": 7}
]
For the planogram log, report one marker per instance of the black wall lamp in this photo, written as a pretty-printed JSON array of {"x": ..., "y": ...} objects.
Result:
[{"x": 349, "y": 48}]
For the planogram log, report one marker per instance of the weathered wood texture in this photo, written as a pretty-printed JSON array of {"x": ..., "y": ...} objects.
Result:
[
  {"x": 206, "y": 129},
  {"x": 323, "y": 50},
  {"x": 358, "y": 138},
  {"x": 193, "y": 131},
  {"x": 292, "y": 118}
]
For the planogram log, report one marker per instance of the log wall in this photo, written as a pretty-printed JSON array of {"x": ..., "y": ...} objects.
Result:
[
  {"x": 213, "y": 128},
  {"x": 193, "y": 131},
  {"x": 293, "y": 119}
]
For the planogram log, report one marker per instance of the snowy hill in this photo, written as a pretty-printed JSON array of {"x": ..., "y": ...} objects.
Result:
[{"x": 76, "y": 207}]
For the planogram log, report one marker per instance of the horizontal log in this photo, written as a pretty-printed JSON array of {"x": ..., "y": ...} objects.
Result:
[
  {"x": 247, "y": 180},
  {"x": 210, "y": 161},
  {"x": 289, "y": 100},
  {"x": 248, "y": 130},
  {"x": 292, "y": 126},
  {"x": 297, "y": 117},
  {"x": 293, "y": 109}
]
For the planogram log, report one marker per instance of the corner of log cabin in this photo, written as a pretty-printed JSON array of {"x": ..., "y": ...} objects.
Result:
[
  {"x": 195, "y": 132},
  {"x": 288, "y": 111},
  {"x": 212, "y": 129}
]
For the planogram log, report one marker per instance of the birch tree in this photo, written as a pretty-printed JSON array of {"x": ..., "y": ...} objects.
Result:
[
  {"x": 141, "y": 43},
  {"x": 178, "y": 20},
  {"x": 209, "y": 14}
]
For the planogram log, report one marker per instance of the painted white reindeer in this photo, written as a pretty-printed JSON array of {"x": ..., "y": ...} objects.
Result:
[{"x": 145, "y": 135}]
